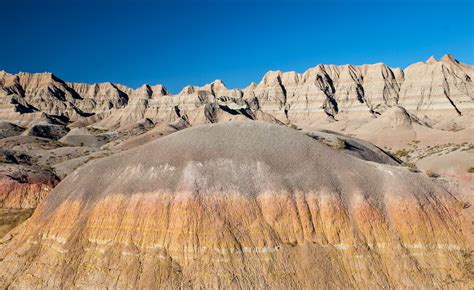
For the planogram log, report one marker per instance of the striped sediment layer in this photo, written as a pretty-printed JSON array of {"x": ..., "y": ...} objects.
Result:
[
  {"x": 24, "y": 186},
  {"x": 436, "y": 89},
  {"x": 240, "y": 205}
]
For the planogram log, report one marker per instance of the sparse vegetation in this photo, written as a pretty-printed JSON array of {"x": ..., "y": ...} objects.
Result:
[
  {"x": 293, "y": 126},
  {"x": 464, "y": 204},
  {"x": 402, "y": 153},
  {"x": 430, "y": 173},
  {"x": 340, "y": 143},
  {"x": 470, "y": 169},
  {"x": 411, "y": 166}
]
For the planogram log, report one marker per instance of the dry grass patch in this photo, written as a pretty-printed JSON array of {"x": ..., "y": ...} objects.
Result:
[
  {"x": 402, "y": 153},
  {"x": 431, "y": 173},
  {"x": 340, "y": 144},
  {"x": 411, "y": 166}
]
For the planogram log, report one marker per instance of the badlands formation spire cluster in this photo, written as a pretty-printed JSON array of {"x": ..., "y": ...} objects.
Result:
[
  {"x": 271, "y": 186},
  {"x": 429, "y": 88}
]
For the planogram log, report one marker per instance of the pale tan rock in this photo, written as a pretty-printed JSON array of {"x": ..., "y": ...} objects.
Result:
[
  {"x": 314, "y": 94},
  {"x": 269, "y": 92},
  {"x": 380, "y": 86},
  {"x": 437, "y": 86},
  {"x": 438, "y": 89}
]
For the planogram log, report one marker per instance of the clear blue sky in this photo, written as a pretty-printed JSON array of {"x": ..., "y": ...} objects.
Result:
[{"x": 194, "y": 42}]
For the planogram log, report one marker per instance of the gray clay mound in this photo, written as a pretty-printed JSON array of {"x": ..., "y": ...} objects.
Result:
[
  {"x": 248, "y": 197},
  {"x": 355, "y": 147},
  {"x": 9, "y": 129},
  {"x": 82, "y": 137},
  {"x": 244, "y": 157},
  {"x": 49, "y": 131},
  {"x": 27, "y": 143}
]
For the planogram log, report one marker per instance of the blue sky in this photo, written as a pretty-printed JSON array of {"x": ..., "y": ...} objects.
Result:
[{"x": 176, "y": 43}]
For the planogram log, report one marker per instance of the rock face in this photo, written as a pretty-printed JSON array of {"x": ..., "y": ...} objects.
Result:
[
  {"x": 438, "y": 85},
  {"x": 431, "y": 88},
  {"x": 26, "y": 93},
  {"x": 22, "y": 184},
  {"x": 243, "y": 205}
]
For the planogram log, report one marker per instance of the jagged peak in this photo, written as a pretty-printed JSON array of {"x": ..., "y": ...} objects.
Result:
[
  {"x": 159, "y": 90},
  {"x": 271, "y": 76},
  {"x": 449, "y": 58},
  {"x": 188, "y": 90},
  {"x": 321, "y": 66},
  {"x": 144, "y": 87},
  {"x": 218, "y": 82},
  {"x": 143, "y": 91},
  {"x": 431, "y": 60}
]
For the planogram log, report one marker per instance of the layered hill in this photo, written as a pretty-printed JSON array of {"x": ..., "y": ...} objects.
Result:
[
  {"x": 243, "y": 205},
  {"x": 433, "y": 88}
]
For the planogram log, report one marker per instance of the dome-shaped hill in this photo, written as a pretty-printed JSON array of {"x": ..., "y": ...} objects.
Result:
[{"x": 249, "y": 205}]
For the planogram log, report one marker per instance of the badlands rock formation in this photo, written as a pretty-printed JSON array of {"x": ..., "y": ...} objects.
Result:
[
  {"x": 432, "y": 88},
  {"x": 27, "y": 171},
  {"x": 438, "y": 85},
  {"x": 243, "y": 205},
  {"x": 23, "y": 184},
  {"x": 24, "y": 96},
  {"x": 256, "y": 205}
]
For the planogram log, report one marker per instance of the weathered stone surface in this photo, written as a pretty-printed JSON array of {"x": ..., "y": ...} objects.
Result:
[
  {"x": 437, "y": 86},
  {"x": 23, "y": 184},
  {"x": 440, "y": 87},
  {"x": 244, "y": 205}
]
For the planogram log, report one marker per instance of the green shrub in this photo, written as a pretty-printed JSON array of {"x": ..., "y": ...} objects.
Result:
[
  {"x": 402, "y": 153},
  {"x": 470, "y": 169},
  {"x": 340, "y": 144}
]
